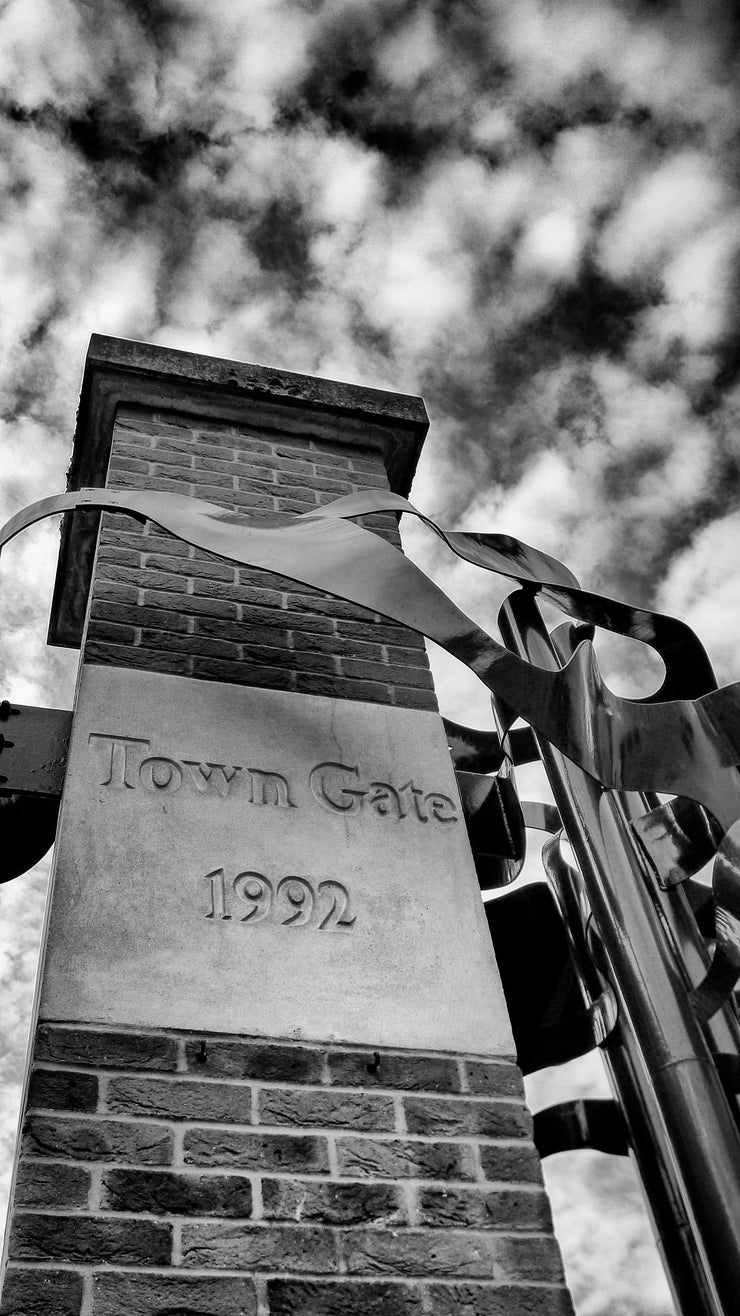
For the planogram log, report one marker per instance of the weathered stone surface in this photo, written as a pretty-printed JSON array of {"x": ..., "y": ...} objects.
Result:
[{"x": 208, "y": 827}]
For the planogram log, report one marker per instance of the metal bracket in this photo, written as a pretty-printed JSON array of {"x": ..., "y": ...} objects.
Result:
[
  {"x": 33, "y": 750},
  {"x": 586, "y": 1124}
]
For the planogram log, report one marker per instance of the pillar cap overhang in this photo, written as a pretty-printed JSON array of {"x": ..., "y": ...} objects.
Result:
[{"x": 119, "y": 372}]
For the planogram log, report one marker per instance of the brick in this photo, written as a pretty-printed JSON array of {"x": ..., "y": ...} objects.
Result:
[
  {"x": 246, "y": 595},
  {"x": 494, "y": 1079},
  {"x": 153, "y": 540},
  {"x": 196, "y": 604},
  {"x": 77, "y": 1046},
  {"x": 119, "y": 462},
  {"x": 291, "y": 620},
  {"x": 332, "y": 607},
  {"x": 210, "y": 568},
  {"x": 501, "y": 1300},
  {"x": 174, "y": 476},
  {"x": 432, "y": 1252},
  {"x": 115, "y": 591},
  {"x": 41, "y": 1293},
  {"x": 374, "y": 692},
  {"x": 124, "y": 557},
  {"x": 131, "y": 423},
  {"x": 180, "y": 1099},
  {"x": 127, "y": 480},
  {"x": 384, "y": 632},
  {"x": 505, "y": 1209},
  {"x": 407, "y": 657},
  {"x": 159, "y": 1192},
  {"x": 226, "y": 463},
  {"x": 311, "y": 480},
  {"x": 268, "y": 461},
  {"x": 290, "y": 1297},
  {"x": 162, "y": 611},
  {"x": 190, "y": 644},
  {"x": 218, "y": 480},
  {"x": 405, "y": 697},
  {"x": 417, "y": 677},
  {"x": 54, "y": 1089},
  {"x": 219, "y": 669},
  {"x": 257, "y": 1151},
  {"x": 171, "y": 1295},
  {"x": 143, "y": 577},
  {"x": 172, "y": 457},
  {"x": 332, "y": 1203},
  {"x": 410, "y": 1073},
  {"x": 112, "y": 631},
  {"x": 97, "y": 1140},
  {"x": 259, "y": 1247},
  {"x": 239, "y": 499},
  {"x": 404, "y": 1159},
  {"x": 335, "y": 644},
  {"x": 503, "y": 1164},
  {"x": 527, "y": 1258},
  {"x": 149, "y": 660},
  {"x": 221, "y": 628},
  {"x": 347, "y": 1110},
  {"x": 483, "y": 1119},
  {"x": 268, "y": 1063},
  {"x": 52, "y": 1185},
  {"x": 88, "y": 1239}
]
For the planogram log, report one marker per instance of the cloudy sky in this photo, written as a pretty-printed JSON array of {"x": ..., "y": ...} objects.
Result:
[{"x": 527, "y": 212}]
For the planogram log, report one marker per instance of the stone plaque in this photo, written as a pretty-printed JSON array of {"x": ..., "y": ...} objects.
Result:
[{"x": 251, "y": 861}]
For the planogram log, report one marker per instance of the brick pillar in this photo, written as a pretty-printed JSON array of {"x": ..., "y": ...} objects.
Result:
[{"x": 272, "y": 1070}]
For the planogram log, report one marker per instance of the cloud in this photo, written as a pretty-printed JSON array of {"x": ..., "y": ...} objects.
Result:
[{"x": 526, "y": 212}]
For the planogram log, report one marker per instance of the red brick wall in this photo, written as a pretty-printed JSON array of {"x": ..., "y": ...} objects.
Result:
[
  {"x": 213, "y": 1176},
  {"x": 164, "y": 606}
]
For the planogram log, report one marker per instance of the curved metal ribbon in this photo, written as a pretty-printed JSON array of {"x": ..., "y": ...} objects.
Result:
[{"x": 688, "y": 746}]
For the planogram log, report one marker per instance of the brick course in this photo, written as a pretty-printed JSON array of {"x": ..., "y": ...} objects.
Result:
[
  {"x": 216, "y": 1175},
  {"x": 159, "y": 605}
]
